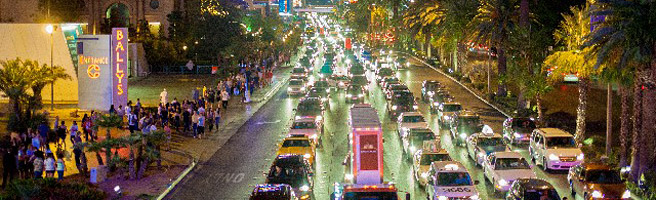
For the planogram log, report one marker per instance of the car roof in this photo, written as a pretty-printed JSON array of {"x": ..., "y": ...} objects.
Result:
[
  {"x": 411, "y": 114},
  {"x": 296, "y": 138},
  {"x": 468, "y": 113},
  {"x": 451, "y": 103},
  {"x": 596, "y": 166},
  {"x": 454, "y": 166},
  {"x": 534, "y": 184},
  {"x": 554, "y": 132},
  {"x": 487, "y": 135},
  {"x": 508, "y": 154},
  {"x": 305, "y": 119},
  {"x": 296, "y": 79}
]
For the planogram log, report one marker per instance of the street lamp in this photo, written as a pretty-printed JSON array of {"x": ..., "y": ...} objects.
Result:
[
  {"x": 50, "y": 29},
  {"x": 184, "y": 47}
]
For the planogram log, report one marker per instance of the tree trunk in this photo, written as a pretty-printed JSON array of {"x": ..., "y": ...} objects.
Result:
[
  {"x": 609, "y": 118},
  {"x": 624, "y": 125},
  {"x": 584, "y": 87},
  {"x": 131, "y": 167},
  {"x": 538, "y": 104},
  {"x": 99, "y": 158},
  {"x": 108, "y": 149},
  {"x": 142, "y": 168},
  {"x": 521, "y": 100},
  {"x": 523, "y": 13},
  {"x": 83, "y": 162},
  {"x": 501, "y": 68},
  {"x": 649, "y": 119},
  {"x": 637, "y": 123}
]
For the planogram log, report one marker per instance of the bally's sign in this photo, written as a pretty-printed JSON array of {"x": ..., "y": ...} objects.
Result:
[{"x": 119, "y": 66}]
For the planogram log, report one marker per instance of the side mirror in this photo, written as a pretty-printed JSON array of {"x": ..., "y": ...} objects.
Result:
[{"x": 476, "y": 182}]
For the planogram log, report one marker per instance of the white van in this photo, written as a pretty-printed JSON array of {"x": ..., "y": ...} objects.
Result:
[{"x": 554, "y": 149}]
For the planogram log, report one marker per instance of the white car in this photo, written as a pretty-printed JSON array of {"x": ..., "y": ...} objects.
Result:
[
  {"x": 554, "y": 149},
  {"x": 450, "y": 180},
  {"x": 503, "y": 168},
  {"x": 480, "y": 145},
  {"x": 423, "y": 159},
  {"x": 408, "y": 120},
  {"x": 296, "y": 87},
  {"x": 309, "y": 127},
  {"x": 414, "y": 138}
]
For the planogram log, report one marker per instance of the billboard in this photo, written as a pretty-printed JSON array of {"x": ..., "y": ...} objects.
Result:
[
  {"x": 94, "y": 72},
  {"x": 119, "y": 66}
]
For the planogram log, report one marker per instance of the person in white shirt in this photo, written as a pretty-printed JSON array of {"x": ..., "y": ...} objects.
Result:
[
  {"x": 224, "y": 99},
  {"x": 164, "y": 97}
]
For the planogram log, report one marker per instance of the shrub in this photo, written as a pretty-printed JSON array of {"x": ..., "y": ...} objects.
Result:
[{"x": 50, "y": 188}]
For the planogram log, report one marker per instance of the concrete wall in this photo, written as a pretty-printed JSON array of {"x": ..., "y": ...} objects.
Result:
[{"x": 30, "y": 41}]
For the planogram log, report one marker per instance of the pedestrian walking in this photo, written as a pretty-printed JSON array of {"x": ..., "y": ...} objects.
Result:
[
  {"x": 9, "y": 166},
  {"x": 77, "y": 152},
  {"x": 60, "y": 166},
  {"x": 224, "y": 99},
  {"x": 201, "y": 125},
  {"x": 49, "y": 165},
  {"x": 132, "y": 122},
  {"x": 112, "y": 110},
  {"x": 163, "y": 97},
  {"x": 36, "y": 142},
  {"x": 194, "y": 121},
  {"x": 43, "y": 133},
  {"x": 61, "y": 134},
  {"x": 37, "y": 162},
  {"x": 73, "y": 131},
  {"x": 210, "y": 119},
  {"x": 217, "y": 117},
  {"x": 186, "y": 118}
]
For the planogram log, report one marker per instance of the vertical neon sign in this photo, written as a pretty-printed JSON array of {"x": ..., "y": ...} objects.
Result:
[{"x": 119, "y": 66}]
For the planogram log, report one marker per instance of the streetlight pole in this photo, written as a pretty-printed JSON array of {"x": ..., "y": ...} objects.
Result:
[{"x": 51, "y": 29}]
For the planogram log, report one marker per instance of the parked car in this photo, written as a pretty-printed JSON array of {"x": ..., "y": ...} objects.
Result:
[{"x": 597, "y": 181}]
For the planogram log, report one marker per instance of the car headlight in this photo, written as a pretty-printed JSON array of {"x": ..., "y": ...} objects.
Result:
[
  {"x": 307, "y": 156},
  {"x": 341, "y": 84},
  {"x": 597, "y": 194},
  {"x": 349, "y": 95},
  {"x": 475, "y": 197},
  {"x": 328, "y": 90},
  {"x": 360, "y": 95},
  {"x": 413, "y": 149},
  {"x": 302, "y": 88},
  {"x": 394, "y": 107},
  {"x": 442, "y": 198},
  {"x": 553, "y": 157},
  {"x": 580, "y": 157},
  {"x": 415, "y": 107},
  {"x": 626, "y": 194},
  {"x": 289, "y": 89},
  {"x": 313, "y": 136},
  {"x": 481, "y": 154},
  {"x": 407, "y": 64},
  {"x": 348, "y": 177},
  {"x": 502, "y": 183},
  {"x": 430, "y": 93},
  {"x": 319, "y": 117},
  {"x": 304, "y": 188},
  {"x": 324, "y": 99},
  {"x": 446, "y": 118},
  {"x": 435, "y": 104},
  {"x": 424, "y": 175}
]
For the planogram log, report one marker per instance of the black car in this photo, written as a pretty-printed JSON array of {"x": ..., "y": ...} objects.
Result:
[
  {"x": 414, "y": 138},
  {"x": 531, "y": 189},
  {"x": 359, "y": 80},
  {"x": 389, "y": 89},
  {"x": 402, "y": 101},
  {"x": 355, "y": 93},
  {"x": 428, "y": 89},
  {"x": 318, "y": 93},
  {"x": 293, "y": 170},
  {"x": 465, "y": 122},
  {"x": 388, "y": 80},
  {"x": 439, "y": 97},
  {"x": 273, "y": 192},
  {"x": 356, "y": 70},
  {"x": 310, "y": 107},
  {"x": 383, "y": 72},
  {"x": 517, "y": 130}
]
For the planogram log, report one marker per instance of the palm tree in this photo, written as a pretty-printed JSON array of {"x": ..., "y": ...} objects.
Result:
[
  {"x": 108, "y": 122},
  {"x": 14, "y": 83},
  {"x": 572, "y": 32},
  {"x": 42, "y": 76},
  {"x": 626, "y": 40},
  {"x": 492, "y": 25},
  {"x": 624, "y": 79}
]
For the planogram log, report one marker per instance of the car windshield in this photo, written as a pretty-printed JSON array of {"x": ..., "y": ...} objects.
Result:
[
  {"x": 511, "y": 163},
  {"x": 370, "y": 196},
  {"x": 453, "y": 179},
  {"x": 304, "y": 125},
  {"x": 431, "y": 86},
  {"x": 293, "y": 175},
  {"x": 385, "y": 72},
  {"x": 523, "y": 123},
  {"x": 562, "y": 142},
  {"x": 399, "y": 87},
  {"x": 392, "y": 79},
  {"x": 359, "y": 80},
  {"x": 470, "y": 121},
  {"x": 296, "y": 143},
  {"x": 295, "y": 82},
  {"x": 298, "y": 70},
  {"x": 413, "y": 119},
  {"x": 452, "y": 107},
  {"x": 487, "y": 142},
  {"x": 420, "y": 136},
  {"x": 321, "y": 84},
  {"x": 427, "y": 159},
  {"x": 354, "y": 90},
  {"x": 308, "y": 108},
  {"x": 314, "y": 93},
  {"x": 541, "y": 195},
  {"x": 603, "y": 176}
]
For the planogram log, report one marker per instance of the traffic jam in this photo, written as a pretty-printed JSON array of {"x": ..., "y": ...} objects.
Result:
[{"x": 510, "y": 160}]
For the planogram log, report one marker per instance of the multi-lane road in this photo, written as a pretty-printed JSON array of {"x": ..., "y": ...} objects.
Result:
[{"x": 240, "y": 163}]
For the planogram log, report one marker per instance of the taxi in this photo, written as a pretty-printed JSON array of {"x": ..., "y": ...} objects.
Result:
[
  {"x": 421, "y": 161},
  {"x": 480, "y": 145},
  {"x": 450, "y": 180},
  {"x": 503, "y": 168},
  {"x": 298, "y": 146}
]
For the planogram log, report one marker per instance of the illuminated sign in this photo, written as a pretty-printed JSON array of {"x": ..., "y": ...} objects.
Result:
[
  {"x": 93, "y": 71},
  {"x": 119, "y": 66}
]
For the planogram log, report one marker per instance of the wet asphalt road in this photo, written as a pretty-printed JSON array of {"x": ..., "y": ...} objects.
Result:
[{"x": 239, "y": 165}]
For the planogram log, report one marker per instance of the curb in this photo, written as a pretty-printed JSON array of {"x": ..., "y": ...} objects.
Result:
[
  {"x": 169, "y": 188},
  {"x": 272, "y": 91},
  {"x": 462, "y": 85}
]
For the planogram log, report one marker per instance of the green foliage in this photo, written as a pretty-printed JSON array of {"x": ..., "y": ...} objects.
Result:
[
  {"x": 648, "y": 193},
  {"x": 108, "y": 121},
  {"x": 60, "y": 10},
  {"x": 50, "y": 188}
]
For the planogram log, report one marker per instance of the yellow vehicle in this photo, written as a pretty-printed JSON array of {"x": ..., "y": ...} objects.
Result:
[{"x": 298, "y": 145}]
